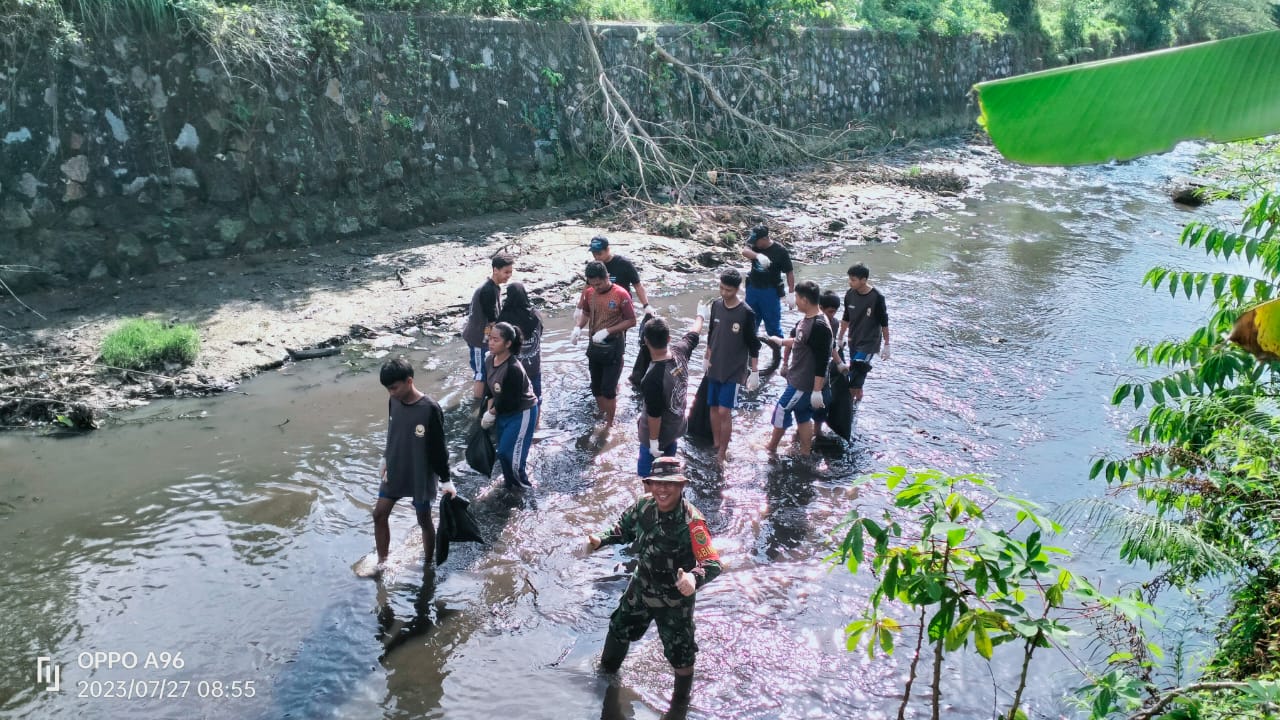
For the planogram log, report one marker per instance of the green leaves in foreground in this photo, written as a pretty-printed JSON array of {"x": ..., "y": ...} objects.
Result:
[{"x": 1138, "y": 105}]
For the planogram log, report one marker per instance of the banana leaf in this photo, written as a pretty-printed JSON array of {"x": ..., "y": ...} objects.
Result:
[{"x": 1138, "y": 105}]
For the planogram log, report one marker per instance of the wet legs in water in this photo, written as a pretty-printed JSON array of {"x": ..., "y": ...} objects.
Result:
[{"x": 382, "y": 529}]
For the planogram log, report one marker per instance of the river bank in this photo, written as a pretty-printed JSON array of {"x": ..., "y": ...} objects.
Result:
[{"x": 410, "y": 288}]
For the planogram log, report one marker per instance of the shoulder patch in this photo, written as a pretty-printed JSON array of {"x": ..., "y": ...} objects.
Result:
[{"x": 700, "y": 538}]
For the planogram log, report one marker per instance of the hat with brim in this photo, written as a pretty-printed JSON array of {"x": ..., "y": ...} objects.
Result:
[
  {"x": 667, "y": 469},
  {"x": 599, "y": 243}
]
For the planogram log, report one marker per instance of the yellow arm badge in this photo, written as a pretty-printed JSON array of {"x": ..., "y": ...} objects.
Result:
[{"x": 701, "y": 539}]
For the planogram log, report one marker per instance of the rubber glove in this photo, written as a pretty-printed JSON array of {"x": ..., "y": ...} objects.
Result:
[
  {"x": 488, "y": 419},
  {"x": 575, "y": 336},
  {"x": 704, "y": 311},
  {"x": 655, "y": 448},
  {"x": 685, "y": 582},
  {"x": 591, "y": 545},
  {"x": 843, "y": 368},
  {"x": 753, "y": 381},
  {"x": 815, "y": 400},
  {"x": 791, "y": 301},
  {"x": 884, "y": 352},
  {"x": 644, "y": 310},
  {"x": 763, "y": 261},
  {"x": 600, "y": 335},
  {"x": 447, "y": 488}
]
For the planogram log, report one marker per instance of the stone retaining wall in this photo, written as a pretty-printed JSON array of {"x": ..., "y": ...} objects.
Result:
[{"x": 142, "y": 153}]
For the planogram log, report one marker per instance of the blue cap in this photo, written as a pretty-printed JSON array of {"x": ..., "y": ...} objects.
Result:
[{"x": 599, "y": 243}]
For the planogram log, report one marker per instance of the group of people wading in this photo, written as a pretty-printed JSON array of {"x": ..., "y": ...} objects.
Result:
[{"x": 668, "y": 535}]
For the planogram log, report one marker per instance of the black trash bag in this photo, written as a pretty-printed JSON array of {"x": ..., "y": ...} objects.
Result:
[
  {"x": 481, "y": 454},
  {"x": 840, "y": 411},
  {"x": 700, "y": 414},
  {"x": 456, "y": 525}
]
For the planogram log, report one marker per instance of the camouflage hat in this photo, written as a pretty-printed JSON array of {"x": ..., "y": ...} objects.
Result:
[{"x": 667, "y": 469}]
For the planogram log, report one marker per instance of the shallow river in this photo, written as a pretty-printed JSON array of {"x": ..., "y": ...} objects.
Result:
[{"x": 227, "y": 536}]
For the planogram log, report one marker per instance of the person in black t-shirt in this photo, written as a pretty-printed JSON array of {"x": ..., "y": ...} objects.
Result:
[
  {"x": 810, "y": 345},
  {"x": 483, "y": 313},
  {"x": 866, "y": 320},
  {"x": 769, "y": 262},
  {"x": 416, "y": 461},
  {"x": 663, "y": 389}
]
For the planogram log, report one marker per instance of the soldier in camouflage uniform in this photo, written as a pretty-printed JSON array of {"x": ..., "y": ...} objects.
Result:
[{"x": 674, "y": 559}]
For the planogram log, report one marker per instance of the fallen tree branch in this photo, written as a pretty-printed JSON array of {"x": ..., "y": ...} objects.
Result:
[{"x": 1176, "y": 693}]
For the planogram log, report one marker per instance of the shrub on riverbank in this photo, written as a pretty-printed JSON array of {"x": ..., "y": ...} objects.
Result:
[{"x": 142, "y": 344}]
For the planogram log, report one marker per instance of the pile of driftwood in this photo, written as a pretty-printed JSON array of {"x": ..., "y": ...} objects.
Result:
[{"x": 43, "y": 386}]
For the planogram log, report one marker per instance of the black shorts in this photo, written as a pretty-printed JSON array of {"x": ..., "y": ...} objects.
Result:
[{"x": 605, "y": 375}]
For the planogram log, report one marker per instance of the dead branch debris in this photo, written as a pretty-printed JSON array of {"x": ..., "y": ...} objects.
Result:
[
  {"x": 697, "y": 158},
  {"x": 56, "y": 386}
]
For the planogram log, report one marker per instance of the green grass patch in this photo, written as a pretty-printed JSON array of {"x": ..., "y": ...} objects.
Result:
[{"x": 142, "y": 344}]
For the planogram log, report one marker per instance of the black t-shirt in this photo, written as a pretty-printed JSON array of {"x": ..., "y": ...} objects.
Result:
[
  {"x": 810, "y": 354},
  {"x": 865, "y": 314},
  {"x": 416, "y": 455},
  {"x": 664, "y": 387},
  {"x": 485, "y": 304},
  {"x": 779, "y": 263},
  {"x": 622, "y": 272}
]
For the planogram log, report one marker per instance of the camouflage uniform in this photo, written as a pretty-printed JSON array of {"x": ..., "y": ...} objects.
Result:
[{"x": 662, "y": 542}]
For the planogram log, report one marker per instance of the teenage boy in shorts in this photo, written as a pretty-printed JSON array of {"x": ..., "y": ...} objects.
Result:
[
  {"x": 866, "y": 322},
  {"x": 607, "y": 312},
  {"x": 733, "y": 356},
  {"x": 810, "y": 345},
  {"x": 415, "y": 463}
]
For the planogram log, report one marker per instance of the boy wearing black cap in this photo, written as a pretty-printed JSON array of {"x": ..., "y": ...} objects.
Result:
[
  {"x": 769, "y": 261},
  {"x": 675, "y": 558}
]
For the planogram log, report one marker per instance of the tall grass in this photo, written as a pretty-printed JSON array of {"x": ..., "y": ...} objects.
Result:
[
  {"x": 144, "y": 344},
  {"x": 120, "y": 15}
]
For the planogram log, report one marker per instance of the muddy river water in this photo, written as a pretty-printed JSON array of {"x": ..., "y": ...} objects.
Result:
[{"x": 217, "y": 542}]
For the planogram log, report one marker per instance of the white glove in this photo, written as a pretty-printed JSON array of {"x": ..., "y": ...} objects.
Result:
[
  {"x": 791, "y": 301},
  {"x": 575, "y": 336},
  {"x": 763, "y": 260},
  {"x": 488, "y": 419},
  {"x": 447, "y": 488},
  {"x": 645, "y": 310},
  {"x": 884, "y": 352},
  {"x": 591, "y": 545},
  {"x": 600, "y": 335},
  {"x": 704, "y": 311},
  {"x": 843, "y": 368},
  {"x": 753, "y": 381},
  {"x": 685, "y": 582},
  {"x": 815, "y": 400},
  {"x": 655, "y": 448}
]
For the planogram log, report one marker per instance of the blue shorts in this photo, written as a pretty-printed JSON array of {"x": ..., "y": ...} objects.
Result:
[
  {"x": 421, "y": 508},
  {"x": 722, "y": 394},
  {"x": 792, "y": 403},
  {"x": 477, "y": 361}
]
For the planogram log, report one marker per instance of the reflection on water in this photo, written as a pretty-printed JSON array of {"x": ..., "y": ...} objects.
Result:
[{"x": 229, "y": 538}]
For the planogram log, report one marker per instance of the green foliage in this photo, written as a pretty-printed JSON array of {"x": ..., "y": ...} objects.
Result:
[
  {"x": 1205, "y": 475},
  {"x": 935, "y": 550},
  {"x": 330, "y": 29},
  {"x": 143, "y": 344},
  {"x": 266, "y": 35},
  {"x": 910, "y": 18}
]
